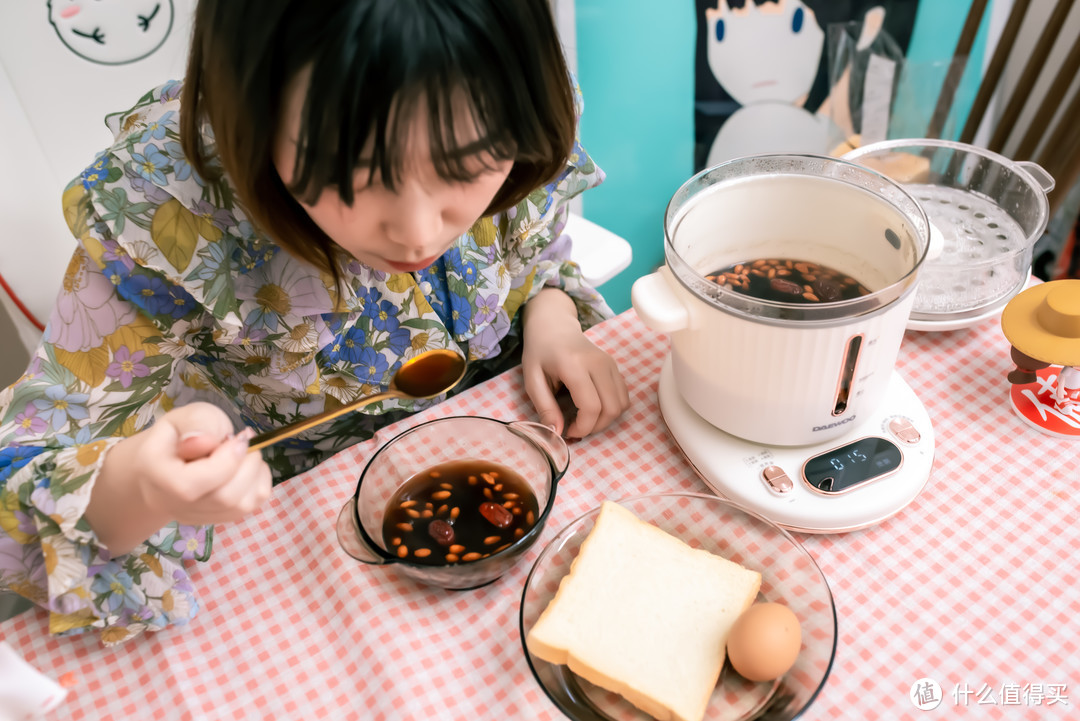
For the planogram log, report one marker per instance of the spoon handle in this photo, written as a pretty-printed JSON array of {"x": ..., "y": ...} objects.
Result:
[{"x": 269, "y": 438}]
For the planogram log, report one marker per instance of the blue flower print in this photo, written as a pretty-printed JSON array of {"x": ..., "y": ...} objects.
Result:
[
  {"x": 96, "y": 173},
  {"x": 58, "y": 404},
  {"x": 461, "y": 311},
  {"x": 369, "y": 301},
  {"x": 212, "y": 257},
  {"x": 435, "y": 276},
  {"x": 151, "y": 164},
  {"x": 81, "y": 438},
  {"x": 371, "y": 367},
  {"x": 178, "y": 303},
  {"x": 399, "y": 340},
  {"x": 348, "y": 346},
  {"x": 156, "y": 129},
  {"x": 384, "y": 316},
  {"x": 117, "y": 272},
  {"x": 333, "y": 321},
  {"x": 465, "y": 268},
  {"x": 116, "y": 585},
  {"x": 468, "y": 272},
  {"x": 246, "y": 230},
  {"x": 181, "y": 167},
  {"x": 149, "y": 292},
  {"x": 263, "y": 316},
  {"x": 13, "y": 458}
]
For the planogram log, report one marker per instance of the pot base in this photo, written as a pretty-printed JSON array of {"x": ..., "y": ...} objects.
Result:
[{"x": 881, "y": 465}]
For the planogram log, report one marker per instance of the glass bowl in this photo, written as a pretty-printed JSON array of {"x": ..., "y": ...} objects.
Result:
[
  {"x": 536, "y": 453},
  {"x": 789, "y": 576},
  {"x": 990, "y": 211}
]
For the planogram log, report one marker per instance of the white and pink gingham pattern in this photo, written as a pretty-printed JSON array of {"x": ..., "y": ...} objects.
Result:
[{"x": 974, "y": 585}]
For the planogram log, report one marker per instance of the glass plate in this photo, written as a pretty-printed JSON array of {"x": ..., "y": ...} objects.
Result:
[{"x": 789, "y": 576}]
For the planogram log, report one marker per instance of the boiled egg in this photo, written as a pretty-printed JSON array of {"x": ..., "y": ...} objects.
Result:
[{"x": 764, "y": 641}]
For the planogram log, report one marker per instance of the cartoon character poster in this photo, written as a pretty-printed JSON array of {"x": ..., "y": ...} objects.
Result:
[
  {"x": 112, "y": 32},
  {"x": 762, "y": 78}
]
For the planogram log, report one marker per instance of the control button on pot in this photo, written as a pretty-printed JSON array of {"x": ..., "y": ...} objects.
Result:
[
  {"x": 776, "y": 479},
  {"x": 904, "y": 431}
]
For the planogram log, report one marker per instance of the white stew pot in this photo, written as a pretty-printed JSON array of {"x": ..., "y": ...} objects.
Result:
[{"x": 776, "y": 372}]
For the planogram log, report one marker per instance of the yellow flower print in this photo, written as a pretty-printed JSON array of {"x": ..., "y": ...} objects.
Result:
[
  {"x": 62, "y": 563},
  {"x": 28, "y": 591},
  {"x": 272, "y": 297},
  {"x": 9, "y": 522},
  {"x": 338, "y": 387},
  {"x": 484, "y": 232},
  {"x": 61, "y": 622},
  {"x": 88, "y": 454},
  {"x": 423, "y": 307},
  {"x": 112, "y": 635}
]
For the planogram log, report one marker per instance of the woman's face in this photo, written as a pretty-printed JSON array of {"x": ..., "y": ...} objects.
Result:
[{"x": 406, "y": 229}]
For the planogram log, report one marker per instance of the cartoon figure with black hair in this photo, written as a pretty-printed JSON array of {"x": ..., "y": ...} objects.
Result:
[{"x": 767, "y": 57}]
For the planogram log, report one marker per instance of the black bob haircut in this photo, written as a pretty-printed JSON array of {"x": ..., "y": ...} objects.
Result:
[{"x": 372, "y": 64}]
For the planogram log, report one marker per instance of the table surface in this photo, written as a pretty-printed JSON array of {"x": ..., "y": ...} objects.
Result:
[{"x": 974, "y": 585}]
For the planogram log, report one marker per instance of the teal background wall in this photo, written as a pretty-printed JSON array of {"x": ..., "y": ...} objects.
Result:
[{"x": 636, "y": 69}]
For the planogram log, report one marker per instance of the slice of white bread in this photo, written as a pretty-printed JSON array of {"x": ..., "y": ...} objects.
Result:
[{"x": 644, "y": 615}]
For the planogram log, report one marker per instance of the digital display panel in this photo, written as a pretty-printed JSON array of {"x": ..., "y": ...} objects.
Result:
[{"x": 857, "y": 462}]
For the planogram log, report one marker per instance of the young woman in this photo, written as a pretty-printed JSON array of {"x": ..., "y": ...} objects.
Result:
[{"x": 335, "y": 187}]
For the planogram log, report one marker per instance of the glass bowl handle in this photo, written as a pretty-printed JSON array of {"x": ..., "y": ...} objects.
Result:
[
  {"x": 545, "y": 438},
  {"x": 349, "y": 537}
]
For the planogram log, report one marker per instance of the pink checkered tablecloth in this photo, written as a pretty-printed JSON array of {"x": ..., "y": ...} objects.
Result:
[{"x": 974, "y": 585}]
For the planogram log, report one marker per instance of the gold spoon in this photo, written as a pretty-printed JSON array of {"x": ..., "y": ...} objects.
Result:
[{"x": 427, "y": 375}]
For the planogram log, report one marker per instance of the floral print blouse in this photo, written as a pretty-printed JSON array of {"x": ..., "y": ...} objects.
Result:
[{"x": 172, "y": 296}]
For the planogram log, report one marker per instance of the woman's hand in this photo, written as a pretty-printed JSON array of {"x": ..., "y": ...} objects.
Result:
[
  {"x": 187, "y": 467},
  {"x": 558, "y": 355}
]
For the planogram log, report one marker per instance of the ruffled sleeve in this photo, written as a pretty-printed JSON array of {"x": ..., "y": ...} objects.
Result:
[{"x": 102, "y": 372}]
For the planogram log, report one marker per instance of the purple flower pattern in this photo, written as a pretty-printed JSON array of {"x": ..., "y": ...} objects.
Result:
[{"x": 180, "y": 298}]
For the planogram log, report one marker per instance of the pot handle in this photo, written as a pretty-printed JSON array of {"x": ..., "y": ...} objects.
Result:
[
  {"x": 656, "y": 304},
  {"x": 549, "y": 442},
  {"x": 349, "y": 537},
  {"x": 1036, "y": 171}
]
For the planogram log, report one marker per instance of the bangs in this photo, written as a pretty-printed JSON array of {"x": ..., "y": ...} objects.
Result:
[
  {"x": 488, "y": 78},
  {"x": 359, "y": 118}
]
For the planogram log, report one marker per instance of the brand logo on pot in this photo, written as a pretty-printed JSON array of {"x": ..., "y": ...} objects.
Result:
[{"x": 849, "y": 419}]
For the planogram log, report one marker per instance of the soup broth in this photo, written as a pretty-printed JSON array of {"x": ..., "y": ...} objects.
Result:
[
  {"x": 458, "y": 512},
  {"x": 788, "y": 281}
]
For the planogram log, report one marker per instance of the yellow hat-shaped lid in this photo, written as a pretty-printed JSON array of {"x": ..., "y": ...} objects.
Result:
[{"x": 1044, "y": 322}]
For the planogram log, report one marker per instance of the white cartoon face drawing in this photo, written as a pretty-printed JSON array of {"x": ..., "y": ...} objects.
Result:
[
  {"x": 112, "y": 32},
  {"x": 764, "y": 53}
]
